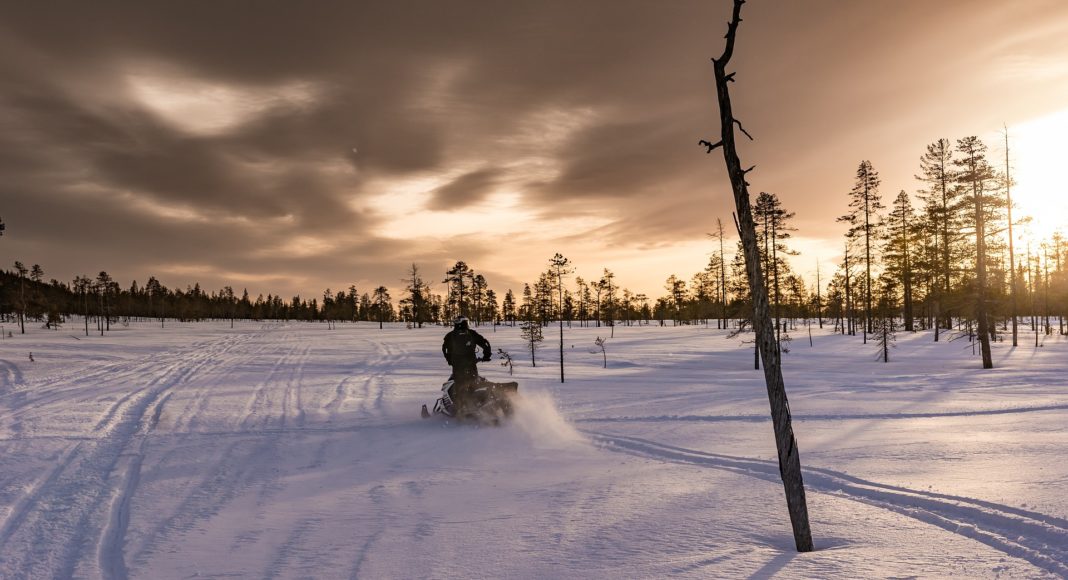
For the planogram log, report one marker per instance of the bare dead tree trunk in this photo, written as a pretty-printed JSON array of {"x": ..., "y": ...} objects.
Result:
[
  {"x": 789, "y": 457},
  {"x": 819, "y": 303},
  {"x": 1012, "y": 256}
]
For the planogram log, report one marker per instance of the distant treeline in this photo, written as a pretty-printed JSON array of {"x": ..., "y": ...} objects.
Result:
[{"x": 948, "y": 264}]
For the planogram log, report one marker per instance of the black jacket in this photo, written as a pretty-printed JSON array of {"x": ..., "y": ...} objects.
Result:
[{"x": 459, "y": 347}]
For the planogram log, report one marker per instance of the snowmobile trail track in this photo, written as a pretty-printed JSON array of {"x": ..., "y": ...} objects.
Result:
[
  {"x": 199, "y": 402},
  {"x": 1037, "y": 538},
  {"x": 203, "y": 496},
  {"x": 113, "y": 539},
  {"x": 292, "y": 406},
  {"x": 375, "y": 385},
  {"x": 25, "y": 504},
  {"x": 85, "y": 500},
  {"x": 821, "y": 417},
  {"x": 257, "y": 409}
]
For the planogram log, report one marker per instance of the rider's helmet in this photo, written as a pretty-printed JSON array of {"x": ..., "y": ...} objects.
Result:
[{"x": 460, "y": 322}]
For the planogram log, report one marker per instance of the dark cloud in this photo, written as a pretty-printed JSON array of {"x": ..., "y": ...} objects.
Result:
[{"x": 468, "y": 189}]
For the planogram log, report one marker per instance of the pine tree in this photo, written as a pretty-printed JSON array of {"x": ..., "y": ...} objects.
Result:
[
  {"x": 490, "y": 308},
  {"x": 608, "y": 304},
  {"x": 676, "y": 288},
  {"x": 600, "y": 344},
  {"x": 22, "y": 271},
  {"x": 943, "y": 208},
  {"x": 527, "y": 310},
  {"x": 382, "y": 305},
  {"x": 901, "y": 232},
  {"x": 508, "y": 307},
  {"x": 530, "y": 330},
  {"x": 773, "y": 227},
  {"x": 457, "y": 277},
  {"x": 417, "y": 302},
  {"x": 865, "y": 201},
  {"x": 975, "y": 176},
  {"x": 82, "y": 284},
  {"x": 478, "y": 295},
  {"x": 103, "y": 288},
  {"x": 722, "y": 274}
]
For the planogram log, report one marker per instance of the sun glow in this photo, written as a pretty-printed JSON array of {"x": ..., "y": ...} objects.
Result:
[{"x": 1039, "y": 153}]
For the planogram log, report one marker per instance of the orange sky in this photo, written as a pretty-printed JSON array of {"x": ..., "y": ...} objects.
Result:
[{"x": 294, "y": 147}]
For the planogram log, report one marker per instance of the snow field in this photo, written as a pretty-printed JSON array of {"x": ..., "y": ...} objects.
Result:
[{"x": 290, "y": 450}]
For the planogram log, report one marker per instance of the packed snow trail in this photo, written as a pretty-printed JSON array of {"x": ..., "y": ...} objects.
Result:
[
  {"x": 50, "y": 530},
  {"x": 1038, "y": 538},
  {"x": 289, "y": 451},
  {"x": 820, "y": 417}
]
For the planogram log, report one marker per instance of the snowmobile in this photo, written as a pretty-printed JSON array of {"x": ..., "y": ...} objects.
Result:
[{"x": 481, "y": 401}]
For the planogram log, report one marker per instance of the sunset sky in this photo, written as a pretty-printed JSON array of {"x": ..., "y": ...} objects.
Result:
[{"x": 288, "y": 147}]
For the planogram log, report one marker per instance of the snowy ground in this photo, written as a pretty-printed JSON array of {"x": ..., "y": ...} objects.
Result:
[{"x": 284, "y": 451}]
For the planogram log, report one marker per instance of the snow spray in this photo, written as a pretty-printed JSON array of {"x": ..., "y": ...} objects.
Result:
[{"x": 537, "y": 417}]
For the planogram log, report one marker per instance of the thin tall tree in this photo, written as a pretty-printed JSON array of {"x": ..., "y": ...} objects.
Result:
[
  {"x": 900, "y": 232},
  {"x": 22, "y": 271},
  {"x": 943, "y": 213},
  {"x": 1012, "y": 256},
  {"x": 560, "y": 266},
  {"x": 865, "y": 203},
  {"x": 974, "y": 174}
]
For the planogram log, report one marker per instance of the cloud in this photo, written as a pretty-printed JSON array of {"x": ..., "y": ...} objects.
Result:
[
  {"x": 264, "y": 145},
  {"x": 469, "y": 188}
]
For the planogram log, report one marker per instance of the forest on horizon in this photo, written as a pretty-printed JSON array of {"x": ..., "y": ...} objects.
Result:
[{"x": 929, "y": 262}]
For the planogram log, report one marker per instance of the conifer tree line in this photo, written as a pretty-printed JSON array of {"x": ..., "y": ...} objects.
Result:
[{"x": 939, "y": 261}]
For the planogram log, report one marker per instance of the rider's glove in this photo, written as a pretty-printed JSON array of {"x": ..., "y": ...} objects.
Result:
[{"x": 486, "y": 357}]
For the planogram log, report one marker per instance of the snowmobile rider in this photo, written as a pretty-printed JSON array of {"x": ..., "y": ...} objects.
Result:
[{"x": 459, "y": 350}]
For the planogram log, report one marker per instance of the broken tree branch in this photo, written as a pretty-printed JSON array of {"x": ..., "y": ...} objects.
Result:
[
  {"x": 739, "y": 123},
  {"x": 711, "y": 146}
]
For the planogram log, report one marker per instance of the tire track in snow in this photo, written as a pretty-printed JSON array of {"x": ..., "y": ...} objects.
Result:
[
  {"x": 113, "y": 539},
  {"x": 340, "y": 396},
  {"x": 291, "y": 397},
  {"x": 819, "y": 417},
  {"x": 200, "y": 402},
  {"x": 361, "y": 555},
  {"x": 177, "y": 373},
  {"x": 377, "y": 386},
  {"x": 107, "y": 421},
  {"x": 1037, "y": 538},
  {"x": 294, "y": 549},
  {"x": 223, "y": 480},
  {"x": 247, "y": 463},
  {"x": 37, "y": 397},
  {"x": 379, "y": 499},
  {"x": 10, "y": 377},
  {"x": 95, "y": 484},
  {"x": 58, "y": 387},
  {"x": 25, "y": 505},
  {"x": 372, "y": 395},
  {"x": 259, "y": 402}
]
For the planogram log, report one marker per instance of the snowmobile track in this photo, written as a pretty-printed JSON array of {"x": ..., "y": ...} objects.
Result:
[
  {"x": 85, "y": 500},
  {"x": 1037, "y": 538},
  {"x": 820, "y": 417}
]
